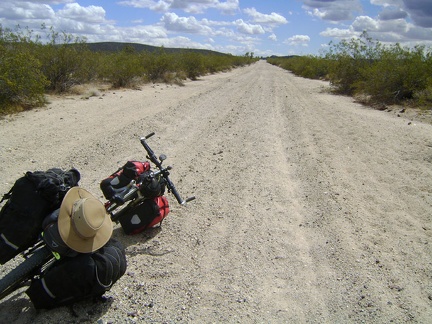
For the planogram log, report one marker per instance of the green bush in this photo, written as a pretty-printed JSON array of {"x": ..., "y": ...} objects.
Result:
[
  {"x": 348, "y": 59},
  {"x": 63, "y": 61},
  {"x": 311, "y": 67},
  {"x": 157, "y": 65},
  {"x": 123, "y": 69},
  {"x": 397, "y": 75},
  {"x": 21, "y": 81},
  {"x": 192, "y": 64},
  {"x": 31, "y": 65},
  {"x": 22, "y": 84},
  {"x": 216, "y": 63}
]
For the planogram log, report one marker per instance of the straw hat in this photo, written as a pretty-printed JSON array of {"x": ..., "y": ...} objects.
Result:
[{"x": 83, "y": 222}]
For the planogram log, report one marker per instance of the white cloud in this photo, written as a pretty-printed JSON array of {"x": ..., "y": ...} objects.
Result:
[
  {"x": 272, "y": 19},
  {"x": 297, "y": 40},
  {"x": 385, "y": 31},
  {"x": 387, "y": 3},
  {"x": 90, "y": 14},
  {"x": 339, "y": 33},
  {"x": 229, "y": 7},
  {"x": 365, "y": 23},
  {"x": 175, "y": 23},
  {"x": 246, "y": 28},
  {"x": 273, "y": 37},
  {"x": 189, "y": 6},
  {"x": 404, "y": 21},
  {"x": 26, "y": 10},
  {"x": 48, "y": 2}
]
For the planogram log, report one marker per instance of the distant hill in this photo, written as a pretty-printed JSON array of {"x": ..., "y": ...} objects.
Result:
[
  {"x": 117, "y": 46},
  {"x": 288, "y": 56}
]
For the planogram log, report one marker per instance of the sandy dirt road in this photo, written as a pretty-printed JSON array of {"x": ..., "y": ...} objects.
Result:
[{"x": 310, "y": 208}]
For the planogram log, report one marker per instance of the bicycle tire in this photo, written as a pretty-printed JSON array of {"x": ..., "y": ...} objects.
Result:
[{"x": 23, "y": 272}]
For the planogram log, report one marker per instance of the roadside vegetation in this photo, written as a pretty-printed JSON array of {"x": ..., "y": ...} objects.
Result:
[
  {"x": 32, "y": 66},
  {"x": 374, "y": 73}
]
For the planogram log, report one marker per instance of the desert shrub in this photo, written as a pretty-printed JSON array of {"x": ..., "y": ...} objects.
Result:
[
  {"x": 63, "y": 60},
  {"x": 348, "y": 59},
  {"x": 312, "y": 67},
  {"x": 122, "y": 69},
  {"x": 192, "y": 64},
  {"x": 384, "y": 74},
  {"x": 158, "y": 64},
  {"x": 31, "y": 64},
  {"x": 217, "y": 63},
  {"x": 22, "y": 84},
  {"x": 423, "y": 96},
  {"x": 396, "y": 75}
]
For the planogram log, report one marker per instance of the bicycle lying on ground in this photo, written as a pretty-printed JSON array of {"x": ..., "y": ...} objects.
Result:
[{"x": 39, "y": 257}]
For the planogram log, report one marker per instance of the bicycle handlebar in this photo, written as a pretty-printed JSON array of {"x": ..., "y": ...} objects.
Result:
[
  {"x": 164, "y": 171},
  {"x": 132, "y": 188}
]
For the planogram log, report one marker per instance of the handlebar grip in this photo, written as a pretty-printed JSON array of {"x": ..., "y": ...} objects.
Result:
[
  {"x": 189, "y": 199},
  {"x": 174, "y": 191},
  {"x": 177, "y": 195},
  {"x": 149, "y": 135}
]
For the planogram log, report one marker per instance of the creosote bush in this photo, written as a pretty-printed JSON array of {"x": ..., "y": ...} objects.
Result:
[
  {"x": 32, "y": 64},
  {"x": 22, "y": 83},
  {"x": 365, "y": 68}
]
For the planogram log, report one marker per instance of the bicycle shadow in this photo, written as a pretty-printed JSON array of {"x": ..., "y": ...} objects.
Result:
[
  {"x": 136, "y": 239},
  {"x": 18, "y": 308}
]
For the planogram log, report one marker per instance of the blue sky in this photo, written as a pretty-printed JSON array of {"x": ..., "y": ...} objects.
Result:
[{"x": 266, "y": 27}]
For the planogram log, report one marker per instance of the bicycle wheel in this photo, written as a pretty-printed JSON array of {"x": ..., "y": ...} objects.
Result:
[{"x": 23, "y": 272}]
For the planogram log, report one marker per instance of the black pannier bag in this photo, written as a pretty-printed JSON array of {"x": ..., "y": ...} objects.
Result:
[
  {"x": 30, "y": 200},
  {"x": 78, "y": 278}
]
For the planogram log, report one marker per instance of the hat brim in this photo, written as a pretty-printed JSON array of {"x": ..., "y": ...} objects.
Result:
[{"x": 67, "y": 233}]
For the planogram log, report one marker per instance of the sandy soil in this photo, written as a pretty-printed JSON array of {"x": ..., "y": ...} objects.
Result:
[{"x": 310, "y": 207}]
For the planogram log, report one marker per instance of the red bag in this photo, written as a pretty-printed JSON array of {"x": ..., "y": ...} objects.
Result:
[{"x": 146, "y": 215}]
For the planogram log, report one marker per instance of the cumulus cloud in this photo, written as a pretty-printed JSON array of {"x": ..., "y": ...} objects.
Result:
[
  {"x": 143, "y": 32},
  {"x": 391, "y": 14},
  {"x": 272, "y": 19},
  {"x": 386, "y": 31},
  {"x": 420, "y": 12},
  {"x": 25, "y": 11},
  {"x": 246, "y": 28},
  {"x": 297, "y": 40},
  {"x": 175, "y": 23},
  {"x": 48, "y": 2},
  {"x": 90, "y": 14},
  {"x": 387, "y": 3},
  {"x": 273, "y": 37},
  {"x": 339, "y": 33},
  {"x": 405, "y": 21},
  {"x": 190, "y": 6},
  {"x": 229, "y": 7},
  {"x": 332, "y": 10}
]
